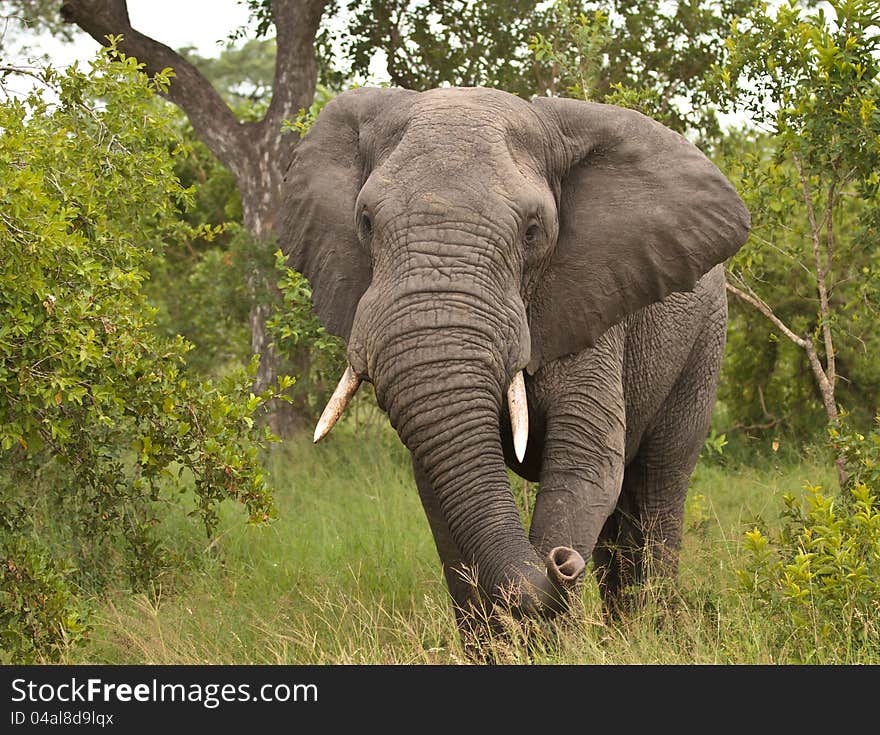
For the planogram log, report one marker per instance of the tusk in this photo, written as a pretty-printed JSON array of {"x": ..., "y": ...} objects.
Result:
[
  {"x": 348, "y": 386},
  {"x": 519, "y": 414}
]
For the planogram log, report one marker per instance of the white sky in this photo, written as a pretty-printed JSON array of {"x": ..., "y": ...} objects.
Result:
[
  {"x": 204, "y": 24},
  {"x": 199, "y": 23}
]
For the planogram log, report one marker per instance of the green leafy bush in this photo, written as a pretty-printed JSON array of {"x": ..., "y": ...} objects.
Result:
[
  {"x": 40, "y": 616},
  {"x": 819, "y": 579},
  {"x": 203, "y": 296},
  {"x": 98, "y": 415},
  {"x": 318, "y": 357},
  {"x": 200, "y": 284},
  {"x": 805, "y": 316}
]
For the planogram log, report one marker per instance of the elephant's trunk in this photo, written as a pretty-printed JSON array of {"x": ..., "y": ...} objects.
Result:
[{"x": 442, "y": 386}]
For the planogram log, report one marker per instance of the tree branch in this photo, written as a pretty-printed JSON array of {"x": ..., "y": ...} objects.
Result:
[
  {"x": 750, "y": 427},
  {"x": 762, "y": 306},
  {"x": 296, "y": 25},
  {"x": 209, "y": 115},
  {"x": 836, "y": 185},
  {"x": 400, "y": 77},
  {"x": 825, "y": 386},
  {"x": 783, "y": 253},
  {"x": 821, "y": 273}
]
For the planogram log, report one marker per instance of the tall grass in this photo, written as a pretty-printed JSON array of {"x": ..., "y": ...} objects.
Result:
[{"x": 348, "y": 573}]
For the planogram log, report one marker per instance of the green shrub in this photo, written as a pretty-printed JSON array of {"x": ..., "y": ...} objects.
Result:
[
  {"x": 317, "y": 357},
  {"x": 40, "y": 616},
  {"x": 819, "y": 579},
  {"x": 99, "y": 417}
]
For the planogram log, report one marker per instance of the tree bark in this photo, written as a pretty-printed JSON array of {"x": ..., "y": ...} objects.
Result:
[
  {"x": 255, "y": 152},
  {"x": 825, "y": 385},
  {"x": 823, "y": 270}
]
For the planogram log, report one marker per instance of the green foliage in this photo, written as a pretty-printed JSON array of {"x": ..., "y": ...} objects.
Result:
[
  {"x": 458, "y": 42},
  {"x": 199, "y": 284},
  {"x": 811, "y": 80},
  {"x": 664, "y": 52},
  {"x": 243, "y": 75},
  {"x": 860, "y": 453},
  {"x": 715, "y": 443},
  {"x": 577, "y": 54},
  {"x": 296, "y": 331},
  {"x": 260, "y": 18},
  {"x": 820, "y": 578},
  {"x": 201, "y": 291},
  {"x": 97, "y": 412},
  {"x": 767, "y": 383},
  {"x": 35, "y": 15},
  {"x": 40, "y": 616},
  {"x": 305, "y": 118},
  {"x": 653, "y": 57}
]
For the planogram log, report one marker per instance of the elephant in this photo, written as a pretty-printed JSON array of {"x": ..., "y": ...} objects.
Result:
[{"x": 536, "y": 285}]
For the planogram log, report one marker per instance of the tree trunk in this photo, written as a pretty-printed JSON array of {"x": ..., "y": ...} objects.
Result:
[
  {"x": 260, "y": 190},
  {"x": 255, "y": 152},
  {"x": 826, "y": 389}
]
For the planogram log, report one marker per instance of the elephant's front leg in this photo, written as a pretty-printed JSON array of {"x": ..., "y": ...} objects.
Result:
[{"x": 583, "y": 461}]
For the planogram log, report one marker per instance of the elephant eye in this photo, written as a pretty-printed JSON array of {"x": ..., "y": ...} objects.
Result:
[
  {"x": 366, "y": 225},
  {"x": 533, "y": 234}
]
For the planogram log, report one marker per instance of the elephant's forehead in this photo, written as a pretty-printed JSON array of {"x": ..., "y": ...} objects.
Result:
[
  {"x": 466, "y": 132},
  {"x": 453, "y": 158},
  {"x": 480, "y": 110}
]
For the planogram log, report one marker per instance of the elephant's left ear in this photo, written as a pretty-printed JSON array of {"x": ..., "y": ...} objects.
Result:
[
  {"x": 642, "y": 213},
  {"x": 316, "y": 223}
]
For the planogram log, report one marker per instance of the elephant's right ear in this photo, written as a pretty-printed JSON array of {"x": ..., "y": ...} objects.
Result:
[
  {"x": 642, "y": 214},
  {"x": 316, "y": 227}
]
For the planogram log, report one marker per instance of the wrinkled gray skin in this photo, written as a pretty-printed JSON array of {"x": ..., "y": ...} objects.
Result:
[{"x": 456, "y": 236}]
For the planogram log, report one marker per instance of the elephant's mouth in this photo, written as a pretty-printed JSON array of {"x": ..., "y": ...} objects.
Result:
[{"x": 350, "y": 381}]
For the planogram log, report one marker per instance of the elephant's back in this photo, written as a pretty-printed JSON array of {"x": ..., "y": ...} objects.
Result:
[{"x": 667, "y": 340}]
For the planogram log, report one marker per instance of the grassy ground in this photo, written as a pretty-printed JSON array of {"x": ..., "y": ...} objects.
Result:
[{"x": 349, "y": 574}]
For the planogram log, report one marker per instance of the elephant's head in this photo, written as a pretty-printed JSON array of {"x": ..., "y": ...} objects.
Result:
[{"x": 458, "y": 236}]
